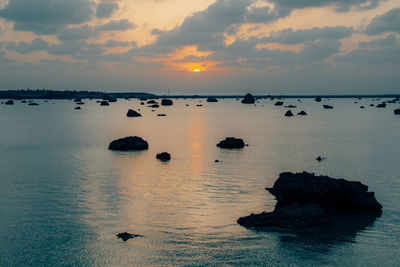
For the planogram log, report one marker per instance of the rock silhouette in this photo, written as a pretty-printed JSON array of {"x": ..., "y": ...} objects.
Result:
[
  {"x": 289, "y": 113},
  {"x": 164, "y": 156},
  {"x": 126, "y": 236},
  {"x": 397, "y": 111},
  {"x": 279, "y": 103},
  {"x": 212, "y": 99},
  {"x": 302, "y": 113},
  {"x": 9, "y": 102},
  {"x": 231, "y": 143},
  {"x": 133, "y": 113},
  {"x": 318, "y": 99},
  {"x": 327, "y": 107},
  {"x": 305, "y": 200},
  {"x": 382, "y": 105},
  {"x": 167, "y": 102},
  {"x": 129, "y": 143},
  {"x": 104, "y": 103},
  {"x": 248, "y": 99}
]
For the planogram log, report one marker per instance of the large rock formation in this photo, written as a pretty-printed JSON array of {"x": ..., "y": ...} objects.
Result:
[
  {"x": 248, "y": 99},
  {"x": 128, "y": 144},
  {"x": 231, "y": 143},
  {"x": 305, "y": 200}
]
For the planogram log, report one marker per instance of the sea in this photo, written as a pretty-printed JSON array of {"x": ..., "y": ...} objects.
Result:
[{"x": 64, "y": 196}]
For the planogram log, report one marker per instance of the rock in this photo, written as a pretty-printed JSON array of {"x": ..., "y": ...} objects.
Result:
[
  {"x": 319, "y": 158},
  {"x": 318, "y": 99},
  {"x": 199, "y": 105},
  {"x": 231, "y": 143},
  {"x": 23, "y": 101},
  {"x": 167, "y": 102},
  {"x": 143, "y": 99},
  {"x": 126, "y": 236},
  {"x": 77, "y": 107},
  {"x": 290, "y": 106},
  {"x": 327, "y": 107},
  {"x": 164, "y": 156},
  {"x": 129, "y": 143},
  {"x": 305, "y": 200},
  {"x": 133, "y": 113},
  {"x": 302, "y": 113},
  {"x": 279, "y": 103},
  {"x": 397, "y": 111},
  {"x": 187, "y": 105},
  {"x": 33, "y": 104},
  {"x": 362, "y": 107},
  {"x": 216, "y": 161},
  {"x": 9, "y": 102},
  {"x": 289, "y": 113},
  {"x": 104, "y": 103},
  {"x": 78, "y": 100},
  {"x": 371, "y": 105},
  {"x": 248, "y": 99},
  {"x": 142, "y": 103},
  {"x": 155, "y": 106},
  {"x": 80, "y": 103},
  {"x": 112, "y": 100},
  {"x": 212, "y": 99},
  {"x": 150, "y": 102},
  {"x": 161, "y": 115},
  {"x": 382, "y": 105}
]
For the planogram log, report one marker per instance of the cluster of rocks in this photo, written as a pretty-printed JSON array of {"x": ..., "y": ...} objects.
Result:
[{"x": 305, "y": 200}]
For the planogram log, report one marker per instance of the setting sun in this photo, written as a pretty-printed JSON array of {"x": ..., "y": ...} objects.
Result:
[{"x": 196, "y": 70}]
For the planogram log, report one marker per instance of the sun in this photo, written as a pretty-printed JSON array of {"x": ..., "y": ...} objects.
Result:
[{"x": 196, "y": 70}]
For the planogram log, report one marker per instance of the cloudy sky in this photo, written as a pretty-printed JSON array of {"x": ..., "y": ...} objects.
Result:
[{"x": 235, "y": 46}]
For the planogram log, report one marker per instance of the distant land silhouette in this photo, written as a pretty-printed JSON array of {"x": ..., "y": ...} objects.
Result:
[{"x": 55, "y": 94}]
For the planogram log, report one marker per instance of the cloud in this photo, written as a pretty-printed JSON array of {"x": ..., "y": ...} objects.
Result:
[
  {"x": 78, "y": 33},
  {"x": 114, "y": 43},
  {"x": 106, "y": 9},
  {"x": 46, "y": 16},
  {"x": 37, "y": 44},
  {"x": 388, "y": 22},
  {"x": 117, "y": 25}
]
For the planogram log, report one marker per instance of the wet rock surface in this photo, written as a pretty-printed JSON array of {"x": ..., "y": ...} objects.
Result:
[
  {"x": 231, "y": 143},
  {"x": 130, "y": 143},
  {"x": 305, "y": 200}
]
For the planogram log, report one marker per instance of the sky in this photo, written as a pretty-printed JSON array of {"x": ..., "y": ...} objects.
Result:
[{"x": 202, "y": 46}]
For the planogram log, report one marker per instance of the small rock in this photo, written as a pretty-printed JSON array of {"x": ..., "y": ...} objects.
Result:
[
  {"x": 129, "y": 143},
  {"x": 155, "y": 106},
  {"x": 290, "y": 106},
  {"x": 164, "y": 156},
  {"x": 231, "y": 143},
  {"x": 150, "y": 102},
  {"x": 9, "y": 102},
  {"x": 362, "y": 107},
  {"x": 77, "y": 107},
  {"x": 167, "y": 102},
  {"x": 33, "y": 104},
  {"x": 302, "y": 113},
  {"x": 248, "y": 99},
  {"x": 161, "y": 115},
  {"x": 126, "y": 236},
  {"x": 279, "y": 103},
  {"x": 318, "y": 99},
  {"x": 382, "y": 105},
  {"x": 199, "y": 105},
  {"x": 133, "y": 113},
  {"x": 289, "y": 113},
  {"x": 104, "y": 103},
  {"x": 397, "y": 111},
  {"x": 212, "y": 99},
  {"x": 319, "y": 158},
  {"x": 327, "y": 107}
]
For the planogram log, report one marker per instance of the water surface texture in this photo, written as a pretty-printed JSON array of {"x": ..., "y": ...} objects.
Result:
[{"x": 64, "y": 196}]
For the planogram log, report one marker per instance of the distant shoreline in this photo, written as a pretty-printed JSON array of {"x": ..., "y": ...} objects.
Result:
[{"x": 53, "y": 94}]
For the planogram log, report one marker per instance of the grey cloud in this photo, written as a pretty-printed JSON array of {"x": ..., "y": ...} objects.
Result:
[
  {"x": 341, "y": 5},
  {"x": 46, "y": 16},
  {"x": 116, "y": 25},
  {"x": 388, "y": 22},
  {"x": 106, "y": 9},
  {"x": 114, "y": 43},
  {"x": 77, "y": 33},
  {"x": 24, "y": 48}
]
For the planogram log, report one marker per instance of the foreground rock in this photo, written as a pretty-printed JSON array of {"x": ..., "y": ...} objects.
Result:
[
  {"x": 130, "y": 143},
  {"x": 132, "y": 113},
  {"x": 305, "y": 200},
  {"x": 126, "y": 236},
  {"x": 397, "y": 111},
  {"x": 231, "y": 143},
  {"x": 164, "y": 156},
  {"x": 289, "y": 113},
  {"x": 248, "y": 99},
  {"x": 167, "y": 102}
]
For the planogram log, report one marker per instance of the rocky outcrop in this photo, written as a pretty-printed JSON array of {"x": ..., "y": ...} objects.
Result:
[
  {"x": 289, "y": 113},
  {"x": 231, "y": 143},
  {"x": 132, "y": 113},
  {"x": 164, "y": 156},
  {"x": 167, "y": 102},
  {"x": 130, "y": 143},
  {"x": 248, "y": 99},
  {"x": 212, "y": 99},
  {"x": 305, "y": 200}
]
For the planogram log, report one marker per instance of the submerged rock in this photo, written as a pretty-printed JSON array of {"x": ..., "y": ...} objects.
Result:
[
  {"x": 155, "y": 106},
  {"x": 133, "y": 113},
  {"x": 319, "y": 158},
  {"x": 305, "y": 200},
  {"x": 77, "y": 108},
  {"x": 289, "y": 113},
  {"x": 318, "y": 99},
  {"x": 248, "y": 99},
  {"x": 327, "y": 107},
  {"x": 279, "y": 103},
  {"x": 212, "y": 99},
  {"x": 152, "y": 102},
  {"x": 126, "y": 236},
  {"x": 33, "y": 104},
  {"x": 382, "y": 105},
  {"x": 164, "y": 156},
  {"x": 129, "y": 143},
  {"x": 231, "y": 143},
  {"x": 302, "y": 113},
  {"x": 9, "y": 102},
  {"x": 167, "y": 102},
  {"x": 397, "y": 111},
  {"x": 104, "y": 103}
]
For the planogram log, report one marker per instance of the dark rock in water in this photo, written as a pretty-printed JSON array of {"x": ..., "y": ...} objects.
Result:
[
  {"x": 142, "y": 103},
  {"x": 155, "y": 106},
  {"x": 23, "y": 101},
  {"x": 133, "y": 113},
  {"x": 231, "y": 143},
  {"x": 289, "y": 113},
  {"x": 187, "y": 105},
  {"x": 397, "y": 111},
  {"x": 199, "y": 105},
  {"x": 216, "y": 161},
  {"x": 151, "y": 102},
  {"x": 362, "y": 107},
  {"x": 279, "y": 103},
  {"x": 78, "y": 100},
  {"x": 167, "y": 102},
  {"x": 327, "y": 107},
  {"x": 77, "y": 107},
  {"x": 290, "y": 106},
  {"x": 164, "y": 156},
  {"x": 248, "y": 99},
  {"x": 129, "y": 143},
  {"x": 33, "y": 104},
  {"x": 382, "y": 105},
  {"x": 319, "y": 158},
  {"x": 126, "y": 236},
  {"x": 112, "y": 100},
  {"x": 104, "y": 103},
  {"x": 302, "y": 113},
  {"x": 9, "y": 102},
  {"x": 305, "y": 200},
  {"x": 80, "y": 103},
  {"x": 318, "y": 99},
  {"x": 212, "y": 99},
  {"x": 161, "y": 115},
  {"x": 371, "y": 105},
  {"x": 143, "y": 99}
]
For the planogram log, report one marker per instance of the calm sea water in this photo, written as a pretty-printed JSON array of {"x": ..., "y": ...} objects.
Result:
[{"x": 64, "y": 196}]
